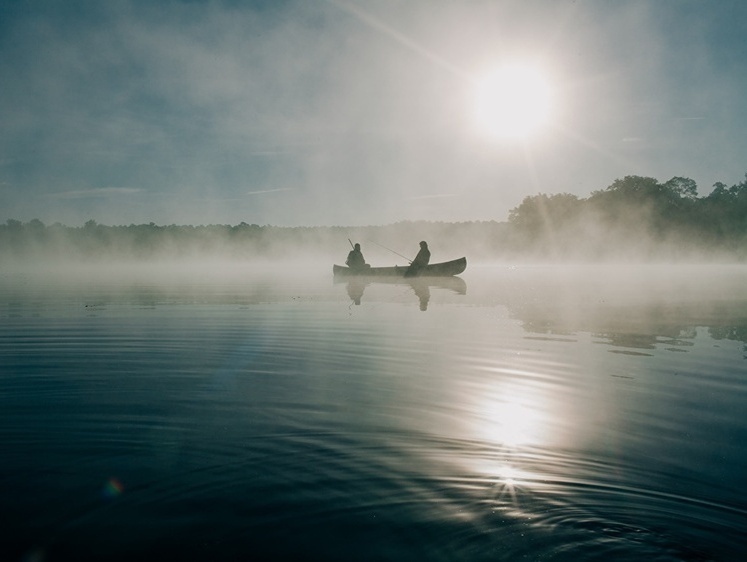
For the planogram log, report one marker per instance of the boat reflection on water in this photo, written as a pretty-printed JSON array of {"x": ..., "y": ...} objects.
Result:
[{"x": 421, "y": 286}]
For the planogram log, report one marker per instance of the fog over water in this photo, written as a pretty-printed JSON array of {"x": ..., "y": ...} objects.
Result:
[{"x": 552, "y": 298}]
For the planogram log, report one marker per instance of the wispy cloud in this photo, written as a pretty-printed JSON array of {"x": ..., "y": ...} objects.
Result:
[
  {"x": 96, "y": 192},
  {"x": 271, "y": 152},
  {"x": 437, "y": 196},
  {"x": 269, "y": 191}
]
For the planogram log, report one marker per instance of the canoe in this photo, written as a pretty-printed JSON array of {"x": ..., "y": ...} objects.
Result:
[{"x": 444, "y": 269}]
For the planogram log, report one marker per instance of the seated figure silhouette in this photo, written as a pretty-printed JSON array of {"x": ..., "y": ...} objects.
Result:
[
  {"x": 420, "y": 261},
  {"x": 355, "y": 258}
]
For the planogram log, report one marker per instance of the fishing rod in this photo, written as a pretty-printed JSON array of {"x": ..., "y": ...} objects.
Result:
[{"x": 400, "y": 255}]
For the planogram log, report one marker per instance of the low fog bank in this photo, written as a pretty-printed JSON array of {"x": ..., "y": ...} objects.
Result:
[
  {"x": 636, "y": 219},
  {"x": 382, "y": 245},
  {"x": 582, "y": 241}
]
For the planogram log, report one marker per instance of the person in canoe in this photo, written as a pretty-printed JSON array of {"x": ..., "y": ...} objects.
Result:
[
  {"x": 355, "y": 258},
  {"x": 420, "y": 261}
]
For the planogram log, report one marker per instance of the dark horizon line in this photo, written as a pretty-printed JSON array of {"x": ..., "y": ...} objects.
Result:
[{"x": 205, "y": 225}]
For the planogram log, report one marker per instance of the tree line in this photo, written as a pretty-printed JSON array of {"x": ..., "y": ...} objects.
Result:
[
  {"x": 94, "y": 241},
  {"x": 635, "y": 217}
]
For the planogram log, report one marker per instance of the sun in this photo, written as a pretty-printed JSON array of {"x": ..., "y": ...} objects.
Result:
[{"x": 512, "y": 102}]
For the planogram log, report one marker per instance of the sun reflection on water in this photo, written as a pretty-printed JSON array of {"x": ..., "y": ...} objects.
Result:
[
  {"x": 510, "y": 418},
  {"x": 508, "y": 479},
  {"x": 515, "y": 420},
  {"x": 512, "y": 424}
]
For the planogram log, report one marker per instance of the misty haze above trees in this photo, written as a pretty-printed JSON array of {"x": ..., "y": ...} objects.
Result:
[{"x": 634, "y": 218}]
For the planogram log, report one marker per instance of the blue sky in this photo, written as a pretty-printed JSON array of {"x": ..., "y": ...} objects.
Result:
[{"x": 345, "y": 112}]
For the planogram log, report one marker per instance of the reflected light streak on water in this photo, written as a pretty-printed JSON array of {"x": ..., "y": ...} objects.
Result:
[{"x": 511, "y": 422}]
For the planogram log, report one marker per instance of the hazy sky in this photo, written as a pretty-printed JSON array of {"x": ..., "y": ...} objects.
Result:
[{"x": 352, "y": 112}]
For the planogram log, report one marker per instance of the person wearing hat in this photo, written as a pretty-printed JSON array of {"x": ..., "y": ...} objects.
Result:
[
  {"x": 423, "y": 257},
  {"x": 355, "y": 258},
  {"x": 420, "y": 261}
]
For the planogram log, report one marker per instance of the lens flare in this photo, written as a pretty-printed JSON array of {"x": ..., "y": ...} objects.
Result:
[{"x": 112, "y": 489}]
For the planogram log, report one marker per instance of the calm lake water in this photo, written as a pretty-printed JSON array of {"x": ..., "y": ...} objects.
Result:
[{"x": 245, "y": 413}]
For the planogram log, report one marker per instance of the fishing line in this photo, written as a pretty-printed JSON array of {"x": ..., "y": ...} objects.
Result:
[{"x": 381, "y": 245}]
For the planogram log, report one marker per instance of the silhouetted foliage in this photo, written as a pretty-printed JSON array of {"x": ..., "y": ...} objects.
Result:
[
  {"x": 94, "y": 241},
  {"x": 636, "y": 216}
]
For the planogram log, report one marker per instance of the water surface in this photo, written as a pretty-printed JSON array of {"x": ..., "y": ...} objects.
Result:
[{"x": 245, "y": 412}]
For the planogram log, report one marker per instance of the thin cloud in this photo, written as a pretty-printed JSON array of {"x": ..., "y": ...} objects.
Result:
[
  {"x": 271, "y": 152},
  {"x": 437, "y": 196},
  {"x": 269, "y": 191},
  {"x": 97, "y": 192}
]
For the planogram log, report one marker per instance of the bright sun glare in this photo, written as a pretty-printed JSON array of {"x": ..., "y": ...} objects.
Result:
[
  {"x": 512, "y": 102},
  {"x": 512, "y": 424}
]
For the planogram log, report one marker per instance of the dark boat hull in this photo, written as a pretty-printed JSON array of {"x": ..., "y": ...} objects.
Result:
[{"x": 444, "y": 269}]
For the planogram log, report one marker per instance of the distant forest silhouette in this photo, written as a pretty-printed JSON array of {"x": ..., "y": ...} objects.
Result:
[{"x": 634, "y": 218}]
